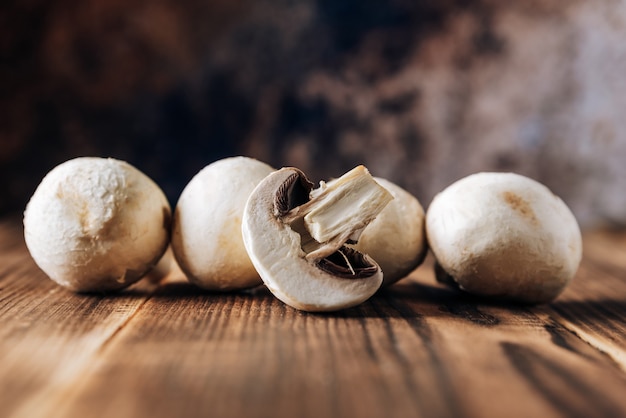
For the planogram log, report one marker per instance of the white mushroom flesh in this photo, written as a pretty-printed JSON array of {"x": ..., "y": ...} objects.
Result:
[
  {"x": 355, "y": 197},
  {"x": 306, "y": 276}
]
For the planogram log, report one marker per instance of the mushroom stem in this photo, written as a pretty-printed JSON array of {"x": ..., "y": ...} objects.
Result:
[{"x": 337, "y": 212}]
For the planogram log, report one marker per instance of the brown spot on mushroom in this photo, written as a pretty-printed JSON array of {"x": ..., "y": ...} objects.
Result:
[
  {"x": 83, "y": 214},
  {"x": 76, "y": 202},
  {"x": 521, "y": 206}
]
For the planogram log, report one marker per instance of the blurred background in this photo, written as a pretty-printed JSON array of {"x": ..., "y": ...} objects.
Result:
[{"x": 421, "y": 92}]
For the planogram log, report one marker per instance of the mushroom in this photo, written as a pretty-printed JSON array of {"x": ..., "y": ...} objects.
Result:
[
  {"x": 96, "y": 224},
  {"x": 206, "y": 231},
  {"x": 504, "y": 235},
  {"x": 295, "y": 238},
  {"x": 396, "y": 238}
]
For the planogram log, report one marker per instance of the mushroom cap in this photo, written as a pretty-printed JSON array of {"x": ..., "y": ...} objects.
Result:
[
  {"x": 504, "y": 235},
  {"x": 96, "y": 224},
  {"x": 275, "y": 250},
  {"x": 396, "y": 239},
  {"x": 206, "y": 231}
]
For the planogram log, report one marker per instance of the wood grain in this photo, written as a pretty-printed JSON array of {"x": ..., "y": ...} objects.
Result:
[{"x": 415, "y": 350}]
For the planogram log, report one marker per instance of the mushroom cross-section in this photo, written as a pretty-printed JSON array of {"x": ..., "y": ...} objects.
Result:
[{"x": 295, "y": 241}]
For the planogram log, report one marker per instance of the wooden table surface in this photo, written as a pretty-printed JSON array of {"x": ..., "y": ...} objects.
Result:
[{"x": 415, "y": 350}]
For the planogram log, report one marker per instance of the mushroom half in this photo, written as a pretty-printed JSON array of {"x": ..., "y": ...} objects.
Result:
[{"x": 296, "y": 241}]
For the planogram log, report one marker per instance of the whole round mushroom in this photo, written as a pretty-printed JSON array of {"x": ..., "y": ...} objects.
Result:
[
  {"x": 96, "y": 224},
  {"x": 396, "y": 238},
  {"x": 504, "y": 235},
  {"x": 206, "y": 231}
]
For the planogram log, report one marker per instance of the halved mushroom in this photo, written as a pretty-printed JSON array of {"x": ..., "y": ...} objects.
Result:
[{"x": 296, "y": 242}]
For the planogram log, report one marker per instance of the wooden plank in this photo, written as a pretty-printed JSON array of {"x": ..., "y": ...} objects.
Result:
[
  {"x": 594, "y": 305},
  {"x": 415, "y": 350},
  {"x": 48, "y": 336}
]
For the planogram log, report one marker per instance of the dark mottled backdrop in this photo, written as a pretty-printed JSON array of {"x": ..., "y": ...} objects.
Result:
[{"x": 422, "y": 92}]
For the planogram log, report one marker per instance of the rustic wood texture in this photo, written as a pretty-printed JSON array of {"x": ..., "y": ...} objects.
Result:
[{"x": 415, "y": 350}]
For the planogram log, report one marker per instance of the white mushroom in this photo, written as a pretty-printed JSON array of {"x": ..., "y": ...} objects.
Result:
[
  {"x": 396, "y": 238},
  {"x": 96, "y": 224},
  {"x": 296, "y": 242},
  {"x": 206, "y": 231},
  {"x": 504, "y": 235}
]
